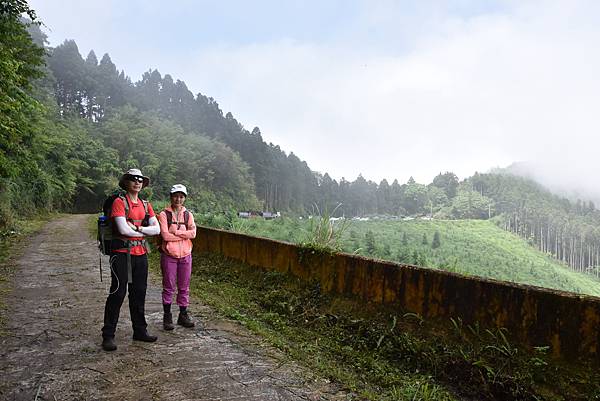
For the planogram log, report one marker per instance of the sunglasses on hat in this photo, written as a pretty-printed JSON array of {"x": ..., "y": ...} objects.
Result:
[{"x": 135, "y": 178}]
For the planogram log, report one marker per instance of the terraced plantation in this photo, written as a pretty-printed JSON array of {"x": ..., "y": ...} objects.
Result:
[{"x": 473, "y": 247}]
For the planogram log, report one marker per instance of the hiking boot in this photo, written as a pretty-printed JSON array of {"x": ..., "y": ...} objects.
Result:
[
  {"x": 168, "y": 322},
  {"x": 145, "y": 337},
  {"x": 108, "y": 344},
  {"x": 185, "y": 320}
]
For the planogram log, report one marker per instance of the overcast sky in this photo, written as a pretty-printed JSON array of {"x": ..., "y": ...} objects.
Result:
[{"x": 388, "y": 89}]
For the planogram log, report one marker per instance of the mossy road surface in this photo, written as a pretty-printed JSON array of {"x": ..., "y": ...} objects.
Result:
[{"x": 50, "y": 340}]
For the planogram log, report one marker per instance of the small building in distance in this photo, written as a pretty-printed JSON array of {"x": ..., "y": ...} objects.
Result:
[{"x": 253, "y": 213}]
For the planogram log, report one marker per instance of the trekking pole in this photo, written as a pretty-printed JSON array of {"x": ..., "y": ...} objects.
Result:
[{"x": 101, "y": 241}]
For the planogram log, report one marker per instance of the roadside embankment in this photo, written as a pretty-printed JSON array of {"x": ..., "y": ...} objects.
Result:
[{"x": 567, "y": 323}]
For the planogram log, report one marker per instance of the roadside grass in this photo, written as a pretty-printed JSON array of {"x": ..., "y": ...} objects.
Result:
[
  {"x": 92, "y": 226},
  {"x": 11, "y": 246},
  {"x": 381, "y": 353}
]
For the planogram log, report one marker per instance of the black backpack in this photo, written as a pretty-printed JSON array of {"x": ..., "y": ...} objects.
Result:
[{"x": 109, "y": 238}]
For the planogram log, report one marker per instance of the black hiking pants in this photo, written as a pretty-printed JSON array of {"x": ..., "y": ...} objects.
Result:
[{"x": 118, "y": 289}]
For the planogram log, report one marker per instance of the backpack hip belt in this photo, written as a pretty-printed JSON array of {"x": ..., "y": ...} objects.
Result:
[{"x": 130, "y": 244}]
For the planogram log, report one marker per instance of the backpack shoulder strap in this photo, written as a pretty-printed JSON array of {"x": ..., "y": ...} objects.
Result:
[
  {"x": 145, "y": 203},
  {"x": 125, "y": 203},
  {"x": 169, "y": 215}
]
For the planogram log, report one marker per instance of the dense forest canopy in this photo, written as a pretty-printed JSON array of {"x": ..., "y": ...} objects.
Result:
[{"x": 70, "y": 125}]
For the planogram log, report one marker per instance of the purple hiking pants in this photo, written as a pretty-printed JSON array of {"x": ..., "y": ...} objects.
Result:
[{"x": 176, "y": 273}]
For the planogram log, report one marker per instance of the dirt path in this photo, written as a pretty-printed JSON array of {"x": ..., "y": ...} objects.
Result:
[{"x": 50, "y": 349}]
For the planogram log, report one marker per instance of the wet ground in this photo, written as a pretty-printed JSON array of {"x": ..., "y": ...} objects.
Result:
[{"x": 50, "y": 341}]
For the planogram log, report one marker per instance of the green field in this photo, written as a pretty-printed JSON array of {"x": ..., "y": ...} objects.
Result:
[{"x": 472, "y": 247}]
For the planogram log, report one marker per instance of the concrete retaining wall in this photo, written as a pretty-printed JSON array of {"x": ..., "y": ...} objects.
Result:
[{"x": 569, "y": 323}]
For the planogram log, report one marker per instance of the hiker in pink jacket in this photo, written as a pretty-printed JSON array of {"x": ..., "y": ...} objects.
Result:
[{"x": 177, "y": 229}]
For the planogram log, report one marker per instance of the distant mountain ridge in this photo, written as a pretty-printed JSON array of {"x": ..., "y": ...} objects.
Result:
[{"x": 559, "y": 180}]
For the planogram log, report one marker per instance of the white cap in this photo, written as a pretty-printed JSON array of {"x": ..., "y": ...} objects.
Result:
[{"x": 179, "y": 188}]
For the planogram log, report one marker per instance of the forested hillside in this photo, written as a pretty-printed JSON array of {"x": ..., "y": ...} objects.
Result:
[
  {"x": 70, "y": 125},
  {"x": 568, "y": 231},
  {"x": 96, "y": 92}
]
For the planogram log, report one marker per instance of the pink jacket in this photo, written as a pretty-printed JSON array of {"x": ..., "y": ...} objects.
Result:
[{"x": 177, "y": 239}]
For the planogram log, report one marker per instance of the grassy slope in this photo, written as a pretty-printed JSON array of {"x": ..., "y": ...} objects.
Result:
[{"x": 474, "y": 247}]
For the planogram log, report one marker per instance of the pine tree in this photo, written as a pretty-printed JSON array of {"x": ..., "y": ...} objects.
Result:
[
  {"x": 436, "y": 240},
  {"x": 370, "y": 242}
]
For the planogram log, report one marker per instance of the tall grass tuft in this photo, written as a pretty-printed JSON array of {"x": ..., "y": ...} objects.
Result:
[{"x": 325, "y": 233}]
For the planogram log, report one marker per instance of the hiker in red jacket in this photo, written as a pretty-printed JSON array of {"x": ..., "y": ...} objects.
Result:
[
  {"x": 134, "y": 220},
  {"x": 177, "y": 229}
]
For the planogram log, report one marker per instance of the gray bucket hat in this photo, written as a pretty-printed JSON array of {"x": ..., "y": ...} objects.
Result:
[{"x": 135, "y": 173}]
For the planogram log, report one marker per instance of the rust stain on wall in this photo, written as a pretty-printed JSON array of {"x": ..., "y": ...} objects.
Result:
[
  {"x": 340, "y": 275},
  {"x": 298, "y": 263},
  {"x": 213, "y": 241},
  {"x": 589, "y": 329},
  {"x": 326, "y": 273},
  {"x": 374, "y": 283},
  {"x": 391, "y": 282},
  {"x": 233, "y": 246},
  {"x": 282, "y": 255}
]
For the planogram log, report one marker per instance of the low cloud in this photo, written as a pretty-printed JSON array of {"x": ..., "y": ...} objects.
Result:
[
  {"x": 477, "y": 93},
  {"x": 403, "y": 89}
]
